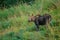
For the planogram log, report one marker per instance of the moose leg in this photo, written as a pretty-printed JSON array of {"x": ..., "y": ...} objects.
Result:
[
  {"x": 47, "y": 24},
  {"x": 37, "y": 26}
]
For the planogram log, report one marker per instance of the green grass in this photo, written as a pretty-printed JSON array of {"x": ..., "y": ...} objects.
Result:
[{"x": 14, "y": 22}]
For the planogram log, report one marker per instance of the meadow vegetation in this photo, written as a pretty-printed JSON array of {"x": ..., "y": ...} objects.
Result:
[{"x": 14, "y": 23}]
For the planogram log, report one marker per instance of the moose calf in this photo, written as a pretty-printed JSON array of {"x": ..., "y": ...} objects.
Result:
[{"x": 40, "y": 19}]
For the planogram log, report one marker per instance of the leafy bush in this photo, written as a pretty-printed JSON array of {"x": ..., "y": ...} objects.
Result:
[
  {"x": 9, "y": 3},
  {"x": 5, "y": 24}
]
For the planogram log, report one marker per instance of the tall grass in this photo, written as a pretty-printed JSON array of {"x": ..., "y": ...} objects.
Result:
[{"x": 17, "y": 17}]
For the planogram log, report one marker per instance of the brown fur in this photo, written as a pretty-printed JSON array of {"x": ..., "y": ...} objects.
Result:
[{"x": 40, "y": 19}]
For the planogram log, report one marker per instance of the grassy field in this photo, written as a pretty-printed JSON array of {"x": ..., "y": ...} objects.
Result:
[{"x": 14, "y": 22}]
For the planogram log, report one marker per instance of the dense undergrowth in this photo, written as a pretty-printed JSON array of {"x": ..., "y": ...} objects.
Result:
[{"x": 17, "y": 17}]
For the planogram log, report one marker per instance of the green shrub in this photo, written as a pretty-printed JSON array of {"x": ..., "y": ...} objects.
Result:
[{"x": 5, "y": 25}]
